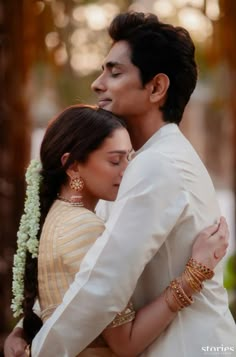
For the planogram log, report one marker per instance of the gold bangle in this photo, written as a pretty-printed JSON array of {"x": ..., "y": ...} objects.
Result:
[
  {"x": 179, "y": 293},
  {"x": 170, "y": 305},
  {"x": 201, "y": 269},
  {"x": 192, "y": 280}
]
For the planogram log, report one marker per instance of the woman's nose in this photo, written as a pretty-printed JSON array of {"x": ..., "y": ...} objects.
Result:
[
  {"x": 122, "y": 173},
  {"x": 123, "y": 169}
]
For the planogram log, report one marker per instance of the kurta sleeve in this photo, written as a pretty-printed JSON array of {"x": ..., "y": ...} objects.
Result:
[{"x": 150, "y": 202}]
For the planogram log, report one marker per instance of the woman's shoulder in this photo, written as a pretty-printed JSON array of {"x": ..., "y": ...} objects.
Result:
[
  {"x": 71, "y": 224},
  {"x": 69, "y": 215},
  {"x": 67, "y": 211}
]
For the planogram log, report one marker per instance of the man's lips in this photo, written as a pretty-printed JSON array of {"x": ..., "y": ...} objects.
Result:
[{"x": 103, "y": 102}]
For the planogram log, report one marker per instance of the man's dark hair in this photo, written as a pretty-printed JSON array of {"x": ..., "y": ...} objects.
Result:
[{"x": 157, "y": 47}]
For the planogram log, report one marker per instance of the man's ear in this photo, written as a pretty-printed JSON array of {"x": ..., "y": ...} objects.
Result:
[
  {"x": 73, "y": 169},
  {"x": 158, "y": 87}
]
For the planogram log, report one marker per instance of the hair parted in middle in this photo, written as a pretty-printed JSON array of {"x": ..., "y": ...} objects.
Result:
[
  {"x": 157, "y": 47},
  {"x": 78, "y": 130}
]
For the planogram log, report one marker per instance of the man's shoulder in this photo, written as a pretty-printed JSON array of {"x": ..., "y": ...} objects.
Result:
[
  {"x": 172, "y": 158},
  {"x": 153, "y": 166},
  {"x": 154, "y": 158}
]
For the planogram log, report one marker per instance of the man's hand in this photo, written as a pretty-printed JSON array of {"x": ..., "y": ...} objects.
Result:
[{"x": 15, "y": 344}]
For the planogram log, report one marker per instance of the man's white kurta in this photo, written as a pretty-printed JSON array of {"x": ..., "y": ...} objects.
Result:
[{"x": 165, "y": 199}]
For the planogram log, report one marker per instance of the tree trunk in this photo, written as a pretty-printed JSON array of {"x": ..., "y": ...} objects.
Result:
[{"x": 16, "y": 38}]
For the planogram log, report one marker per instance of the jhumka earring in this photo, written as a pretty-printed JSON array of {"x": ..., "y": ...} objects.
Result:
[{"x": 77, "y": 184}]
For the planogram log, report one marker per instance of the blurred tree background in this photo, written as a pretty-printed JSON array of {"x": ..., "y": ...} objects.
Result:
[
  {"x": 51, "y": 51},
  {"x": 226, "y": 52}
]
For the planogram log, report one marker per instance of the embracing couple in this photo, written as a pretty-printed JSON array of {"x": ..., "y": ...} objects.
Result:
[{"x": 137, "y": 280}]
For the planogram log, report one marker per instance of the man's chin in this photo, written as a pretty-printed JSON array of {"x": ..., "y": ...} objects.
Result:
[{"x": 107, "y": 107}]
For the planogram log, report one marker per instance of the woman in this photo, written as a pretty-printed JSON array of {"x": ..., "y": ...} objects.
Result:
[{"x": 83, "y": 155}]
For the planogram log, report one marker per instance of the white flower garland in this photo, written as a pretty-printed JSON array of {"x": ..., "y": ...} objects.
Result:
[{"x": 26, "y": 235}]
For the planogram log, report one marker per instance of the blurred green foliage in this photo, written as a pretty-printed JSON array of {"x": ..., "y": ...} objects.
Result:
[{"x": 230, "y": 282}]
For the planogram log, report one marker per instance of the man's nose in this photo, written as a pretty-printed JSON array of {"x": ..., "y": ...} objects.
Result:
[{"x": 98, "y": 85}]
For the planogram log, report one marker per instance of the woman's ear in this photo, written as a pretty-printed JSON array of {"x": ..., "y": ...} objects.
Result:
[
  {"x": 159, "y": 86},
  {"x": 73, "y": 169},
  {"x": 64, "y": 158}
]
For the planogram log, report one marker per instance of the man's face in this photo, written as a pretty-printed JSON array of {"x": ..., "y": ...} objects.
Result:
[{"x": 119, "y": 88}]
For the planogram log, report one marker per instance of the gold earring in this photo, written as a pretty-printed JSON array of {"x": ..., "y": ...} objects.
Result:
[{"x": 77, "y": 184}]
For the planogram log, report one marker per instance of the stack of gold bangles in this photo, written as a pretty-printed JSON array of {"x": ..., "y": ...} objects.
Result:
[{"x": 195, "y": 273}]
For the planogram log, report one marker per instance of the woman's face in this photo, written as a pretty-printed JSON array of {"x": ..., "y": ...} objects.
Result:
[{"x": 103, "y": 171}]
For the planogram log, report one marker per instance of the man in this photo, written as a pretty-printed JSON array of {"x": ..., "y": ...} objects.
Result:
[{"x": 166, "y": 197}]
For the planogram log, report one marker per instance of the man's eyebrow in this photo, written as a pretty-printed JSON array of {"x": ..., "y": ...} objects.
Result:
[{"x": 111, "y": 64}]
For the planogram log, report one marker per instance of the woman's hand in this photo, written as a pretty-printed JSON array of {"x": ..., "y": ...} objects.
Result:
[
  {"x": 211, "y": 244},
  {"x": 15, "y": 344}
]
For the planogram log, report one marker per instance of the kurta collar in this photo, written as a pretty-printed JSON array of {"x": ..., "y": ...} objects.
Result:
[{"x": 165, "y": 130}]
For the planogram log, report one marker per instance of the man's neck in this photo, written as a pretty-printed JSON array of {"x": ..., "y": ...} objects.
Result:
[{"x": 142, "y": 129}]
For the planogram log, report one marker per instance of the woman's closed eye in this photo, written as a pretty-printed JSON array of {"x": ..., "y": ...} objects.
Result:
[{"x": 115, "y": 162}]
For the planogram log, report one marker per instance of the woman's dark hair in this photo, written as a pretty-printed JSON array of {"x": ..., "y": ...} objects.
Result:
[
  {"x": 157, "y": 47},
  {"x": 78, "y": 130}
]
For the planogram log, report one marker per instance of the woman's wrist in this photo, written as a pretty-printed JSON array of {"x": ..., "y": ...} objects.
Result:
[
  {"x": 178, "y": 294},
  {"x": 194, "y": 275}
]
